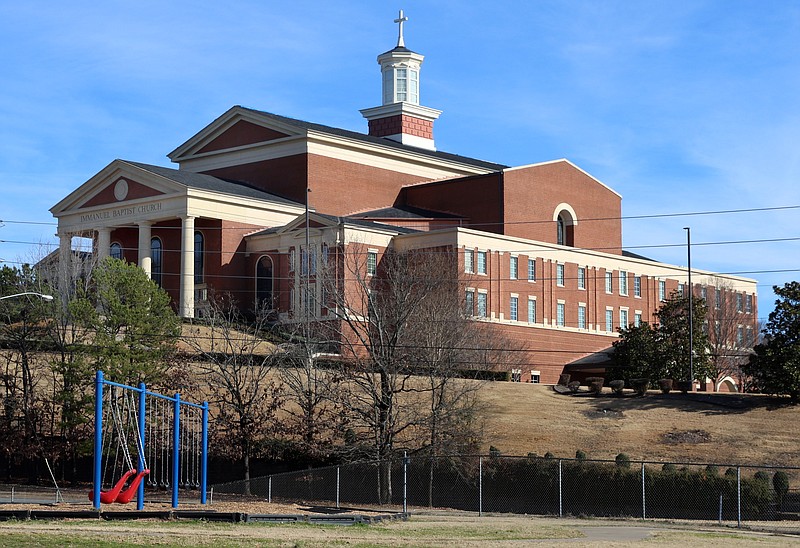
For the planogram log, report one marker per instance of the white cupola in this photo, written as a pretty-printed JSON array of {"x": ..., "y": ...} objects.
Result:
[{"x": 401, "y": 117}]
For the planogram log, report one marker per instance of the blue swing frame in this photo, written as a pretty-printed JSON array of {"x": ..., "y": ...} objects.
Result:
[{"x": 100, "y": 383}]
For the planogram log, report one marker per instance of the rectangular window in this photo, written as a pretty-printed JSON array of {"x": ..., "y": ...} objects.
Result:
[
  {"x": 531, "y": 310},
  {"x": 623, "y": 318},
  {"x": 581, "y": 277},
  {"x": 372, "y": 262},
  {"x": 623, "y": 282},
  {"x": 609, "y": 320},
  {"x": 560, "y": 320},
  {"x": 749, "y": 304},
  {"x": 581, "y": 317},
  {"x": 469, "y": 303},
  {"x": 531, "y": 270},
  {"x": 291, "y": 260},
  {"x": 740, "y": 335},
  {"x": 513, "y": 313},
  {"x": 481, "y": 262},
  {"x": 662, "y": 290},
  {"x": 560, "y": 275},
  {"x": 513, "y": 268},
  {"x": 704, "y": 292},
  {"x": 536, "y": 377},
  {"x": 717, "y": 332},
  {"x": 738, "y": 302},
  {"x": 717, "y": 298},
  {"x": 637, "y": 319},
  {"x": 609, "y": 282},
  {"x": 637, "y": 286},
  {"x": 482, "y": 305},
  {"x": 681, "y": 289},
  {"x": 469, "y": 261}
]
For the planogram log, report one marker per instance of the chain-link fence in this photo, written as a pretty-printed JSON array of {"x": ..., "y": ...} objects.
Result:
[{"x": 759, "y": 497}]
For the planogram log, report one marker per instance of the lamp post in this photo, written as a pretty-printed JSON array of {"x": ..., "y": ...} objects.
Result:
[
  {"x": 42, "y": 296},
  {"x": 691, "y": 310}
]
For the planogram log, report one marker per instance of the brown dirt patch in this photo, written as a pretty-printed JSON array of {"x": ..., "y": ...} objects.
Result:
[{"x": 686, "y": 436}]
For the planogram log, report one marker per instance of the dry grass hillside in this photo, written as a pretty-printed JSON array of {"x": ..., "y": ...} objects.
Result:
[{"x": 718, "y": 428}]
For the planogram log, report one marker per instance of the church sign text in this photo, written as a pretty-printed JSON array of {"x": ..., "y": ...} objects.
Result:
[{"x": 121, "y": 212}]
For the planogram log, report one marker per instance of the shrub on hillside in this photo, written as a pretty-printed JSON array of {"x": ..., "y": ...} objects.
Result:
[
  {"x": 665, "y": 385},
  {"x": 617, "y": 387},
  {"x": 640, "y": 386},
  {"x": 669, "y": 468},
  {"x": 580, "y": 454},
  {"x": 780, "y": 481},
  {"x": 712, "y": 470},
  {"x": 623, "y": 460},
  {"x": 595, "y": 384}
]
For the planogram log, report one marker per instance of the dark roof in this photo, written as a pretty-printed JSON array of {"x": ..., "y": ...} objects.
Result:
[
  {"x": 378, "y": 140},
  {"x": 401, "y": 49},
  {"x": 346, "y": 221},
  {"x": 404, "y": 212},
  {"x": 635, "y": 256},
  {"x": 209, "y": 182}
]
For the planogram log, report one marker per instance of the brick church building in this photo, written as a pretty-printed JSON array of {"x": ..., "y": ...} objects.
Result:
[{"x": 539, "y": 245}]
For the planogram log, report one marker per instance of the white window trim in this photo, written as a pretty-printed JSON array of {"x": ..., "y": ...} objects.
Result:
[
  {"x": 561, "y": 267},
  {"x": 623, "y": 274},
  {"x": 585, "y": 269},
  {"x": 609, "y": 277},
  {"x": 535, "y": 306}
]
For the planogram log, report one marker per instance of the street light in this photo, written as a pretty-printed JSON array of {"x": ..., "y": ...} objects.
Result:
[
  {"x": 42, "y": 296},
  {"x": 691, "y": 330}
]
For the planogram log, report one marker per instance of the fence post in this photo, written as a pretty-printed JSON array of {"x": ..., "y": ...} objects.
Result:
[
  {"x": 560, "y": 499},
  {"x": 720, "y": 508},
  {"x": 337, "y": 487},
  {"x": 739, "y": 496},
  {"x": 405, "y": 481},
  {"x": 269, "y": 490},
  {"x": 480, "y": 486},
  {"x": 644, "y": 502}
]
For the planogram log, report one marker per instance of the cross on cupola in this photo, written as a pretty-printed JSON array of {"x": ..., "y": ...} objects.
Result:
[
  {"x": 400, "y": 20},
  {"x": 401, "y": 117}
]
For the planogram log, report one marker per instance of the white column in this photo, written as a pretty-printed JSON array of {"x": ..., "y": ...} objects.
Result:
[
  {"x": 187, "y": 267},
  {"x": 103, "y": 243},
  {"x": 64, "y": 262},
  {"x": 145, "y": 233}
]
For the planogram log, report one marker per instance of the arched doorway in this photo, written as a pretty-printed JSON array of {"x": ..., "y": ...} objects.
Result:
[{"x": 265, "y": 298}]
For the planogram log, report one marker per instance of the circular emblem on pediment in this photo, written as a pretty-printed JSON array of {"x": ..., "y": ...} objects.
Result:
[{"x": 121, "y": 190}]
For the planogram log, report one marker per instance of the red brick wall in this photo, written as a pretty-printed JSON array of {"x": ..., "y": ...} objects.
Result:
[
  {"x": 135, "y": 190},
  {"x": 532, "y": 194},
  {"x": 401, "y": 123},
  {"x": 242, "y": 133}
]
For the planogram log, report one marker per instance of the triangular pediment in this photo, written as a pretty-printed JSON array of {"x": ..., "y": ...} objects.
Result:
[
  {"x": 237, "y": 128},
  {"x": 119, "y": 182}
]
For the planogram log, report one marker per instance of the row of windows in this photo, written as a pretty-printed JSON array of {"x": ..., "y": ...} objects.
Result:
[
  {"x": 560, "y": 312},
  {"x": 157, "y": 260}
]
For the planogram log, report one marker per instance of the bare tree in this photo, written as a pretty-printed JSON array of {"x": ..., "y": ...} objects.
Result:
[
  {"x": 401, "y": 326},
  {"x": 237, "y": 362},
  {"x": 731, "y": 332}
]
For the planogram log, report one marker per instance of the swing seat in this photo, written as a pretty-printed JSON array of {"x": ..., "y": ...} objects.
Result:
[
  {"x": 127, "y": 495},
  {"x": 107, "y": 497}
]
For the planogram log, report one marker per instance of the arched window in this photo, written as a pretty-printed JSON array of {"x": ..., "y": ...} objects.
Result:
[
  {"x": 264, "y": 282},
  {"x": 156, "y": 259},
  {"x": 115, "y": 251},
  {"x": 199, "y": 254},
  {"x": 566, "y": 221}
]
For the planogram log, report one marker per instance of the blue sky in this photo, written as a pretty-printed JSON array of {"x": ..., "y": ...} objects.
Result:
[{"x": 678, "y": 106}]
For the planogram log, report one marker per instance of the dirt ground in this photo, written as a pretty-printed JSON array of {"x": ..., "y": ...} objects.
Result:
[{"x": 726, "y": 429}]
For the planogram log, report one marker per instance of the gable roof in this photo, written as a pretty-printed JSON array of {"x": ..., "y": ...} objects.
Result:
[
  {"x": 301, "y": 127},
  {"x": 404, "y": 212},
  {"x": 214, "y": 184},
  {"x": 333, "y": 220}
]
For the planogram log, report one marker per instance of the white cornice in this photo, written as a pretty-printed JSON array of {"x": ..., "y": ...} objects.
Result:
[
  {"x": 403, "y": 107},
  {"x": 563, "y": 160}
]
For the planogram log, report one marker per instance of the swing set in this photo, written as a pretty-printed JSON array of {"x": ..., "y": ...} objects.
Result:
[{"x": 144, "y": 437}]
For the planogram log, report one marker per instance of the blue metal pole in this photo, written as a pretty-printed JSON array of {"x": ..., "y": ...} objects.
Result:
[
  {"x": 176, "y": 448},
  {"x": 140, "y": 449},
  {"x": 204, "y": 461},
  {"x": 98, "y": 438}
]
